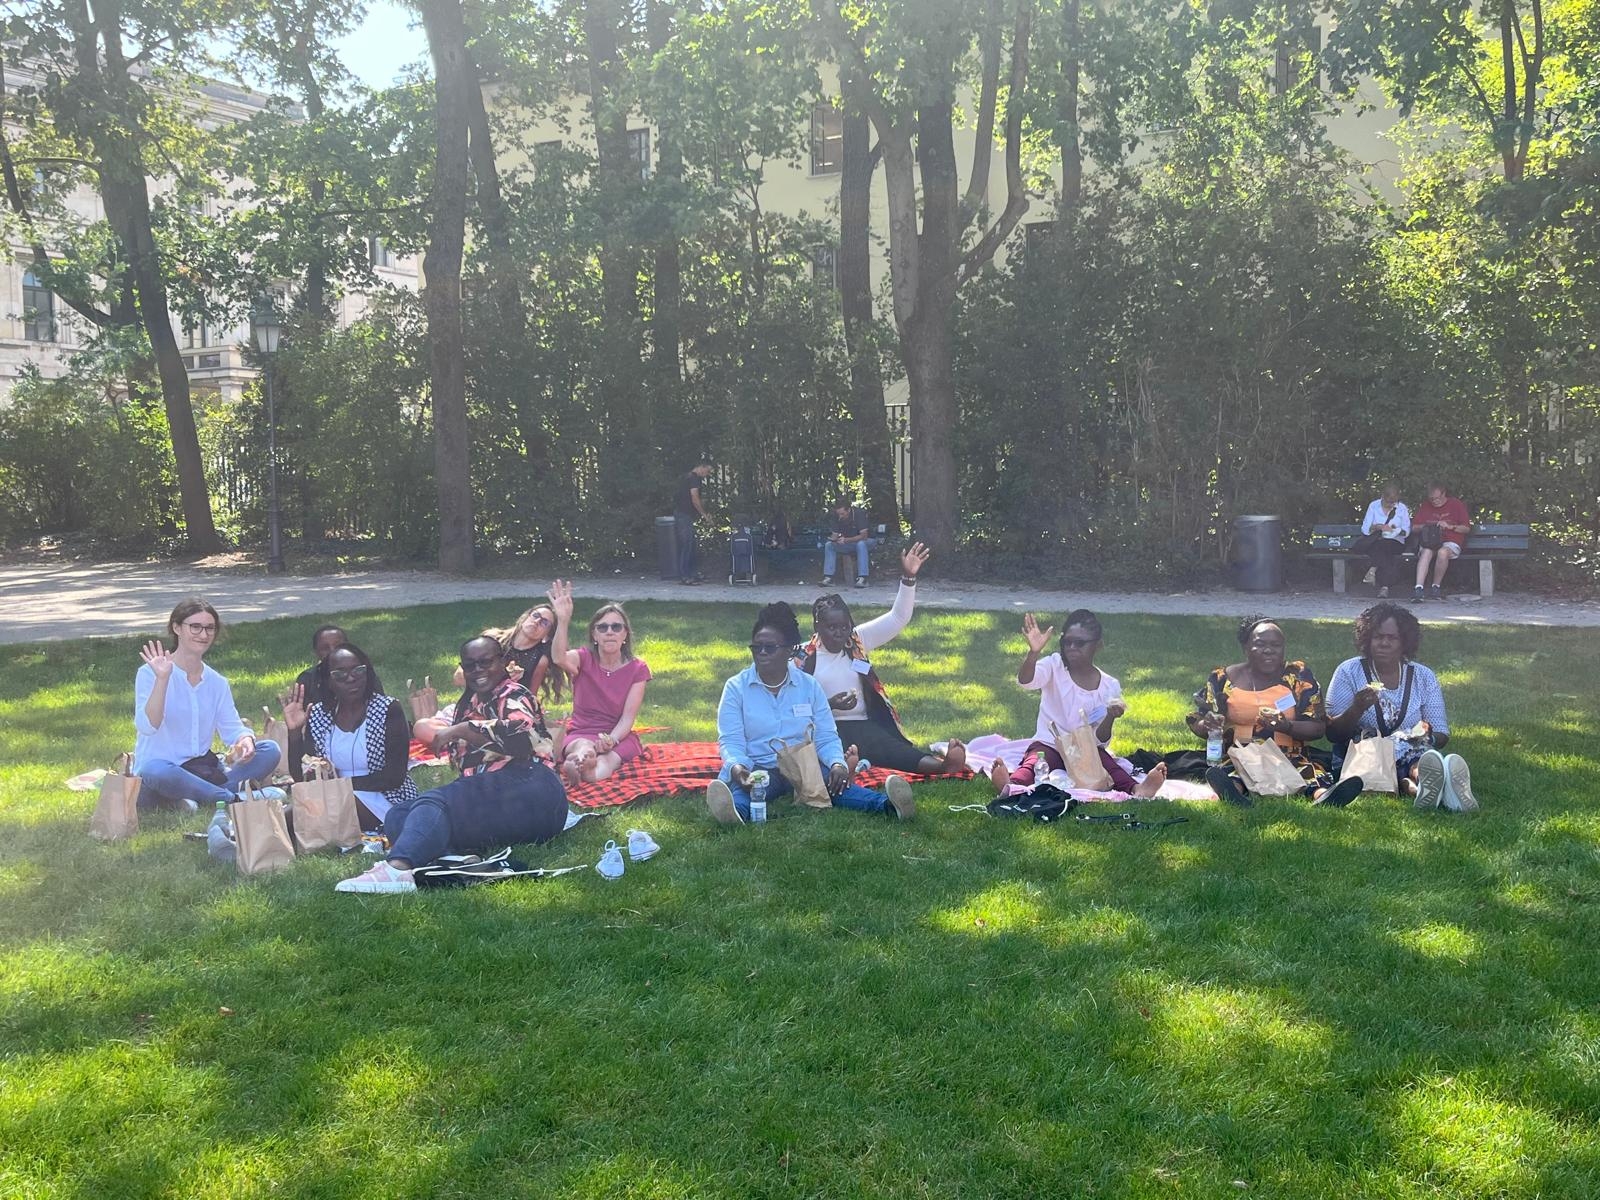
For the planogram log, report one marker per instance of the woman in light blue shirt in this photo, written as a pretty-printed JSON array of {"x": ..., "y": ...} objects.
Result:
[
  {"x": 1386, "y": 527},
  {"x": 180, "y": 707},
  {"x": 773, "y": 701}
]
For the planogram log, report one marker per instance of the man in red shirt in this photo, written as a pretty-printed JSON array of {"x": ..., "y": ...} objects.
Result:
[{"x": 1450, "y": 515}]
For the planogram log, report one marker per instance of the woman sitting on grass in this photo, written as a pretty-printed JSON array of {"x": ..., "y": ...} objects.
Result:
[
  {"x": 506, "y": 793},
  {"x": 607, "y": 690},
  {"x": 325, "y": 639},
  {"x": 773, "y": 702},
  {"x": 360, "y": 732},
  {"x": 1071, "y": 690},
  {"x": 1385, "y": 692},
  {"x": 180, "y": 707},
  {"x": 1266, "y": 696},
  {"x": 837, "y": 657}
]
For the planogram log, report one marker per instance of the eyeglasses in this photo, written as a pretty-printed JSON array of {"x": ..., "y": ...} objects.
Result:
[
  {"x": 539, "y": 619},
  {"x": 1078, "y": 643},
  {"x": 766, "y": 649},
  {"x": 479, "y": 664},
  {"x": 346, "y": 674},
  {"x": 200, "y": 630},
  {"x": 609, "y": 627}
]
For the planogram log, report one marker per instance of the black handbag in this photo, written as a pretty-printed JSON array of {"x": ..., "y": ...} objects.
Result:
[{"x": 1427, "y": 537}]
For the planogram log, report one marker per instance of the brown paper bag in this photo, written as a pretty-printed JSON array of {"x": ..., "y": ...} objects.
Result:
[
  {"x": 262, "y": 833},
  {"x": 1372, "y": 760},
  {"x": 1266, "y": 770},
  {"x": 803, "y": 770},
  {"x": 1080, "y": 755},
  {"x": 116, "y": 812},
  {"x": 274, "y": 729},
  {"x": 324, "y": 808},
  {"x": 424, "y": 700}
]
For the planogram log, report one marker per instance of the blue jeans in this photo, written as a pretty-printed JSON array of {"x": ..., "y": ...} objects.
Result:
[
  {"x": 683, "y": 537},
  {"x": 854, "y": 796},
  {"x": 495, "y": 808},
  {"x": 168, "y": 782},
  {"x": 830, "y": 557}
]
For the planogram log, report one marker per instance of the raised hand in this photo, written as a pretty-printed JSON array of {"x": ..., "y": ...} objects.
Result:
[
  {"x": 911, "y": 561},
  {"x": 1038, "y": 638},
  {"x": 294, "y": 707},
  {"x": 561, "y": 601},
  {"x": 158, "y": 658}
]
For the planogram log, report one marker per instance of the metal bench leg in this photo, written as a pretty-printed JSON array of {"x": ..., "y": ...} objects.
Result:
[
  {"x": 1486, "y": 577},
  {"x": 1338, "y": 577}
]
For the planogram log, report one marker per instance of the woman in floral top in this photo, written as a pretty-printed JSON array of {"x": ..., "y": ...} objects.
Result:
[
  {"x": 1266, "y": 696},
  {"x": 506, "y": 793}
]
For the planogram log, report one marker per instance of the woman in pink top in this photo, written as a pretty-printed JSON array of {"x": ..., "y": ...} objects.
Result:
[{"x": 607, "y": 690}]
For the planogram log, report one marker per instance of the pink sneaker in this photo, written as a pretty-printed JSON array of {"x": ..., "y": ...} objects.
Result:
[{"x": 381, "y": 878}]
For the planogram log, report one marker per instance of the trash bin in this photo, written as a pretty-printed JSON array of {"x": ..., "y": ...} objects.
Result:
[
  {"x": 1258, "y": 554},
  {"x": 667, "y": 546}
]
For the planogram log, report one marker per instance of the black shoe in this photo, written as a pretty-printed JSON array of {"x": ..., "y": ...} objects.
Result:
[
  {"x": 1418, "y": 595},
  {"x": 1227, "y": 788},
  {"x": 1341, "y": 793}
]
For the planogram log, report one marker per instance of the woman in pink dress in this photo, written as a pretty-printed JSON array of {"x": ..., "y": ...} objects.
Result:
[{"x": 607, "y": 690}]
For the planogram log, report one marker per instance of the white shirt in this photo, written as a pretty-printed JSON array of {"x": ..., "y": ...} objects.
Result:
[
  {"x": 348, "y": 754},
  {"x": 1064, "y": 702},
  {"x": 838, "y": 672},
  {"x": 195, "y": 715},
  {"x": 1401, "y": 520}
]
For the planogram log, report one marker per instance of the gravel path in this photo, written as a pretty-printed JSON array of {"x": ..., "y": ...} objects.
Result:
[{"x": 53, "y": 601}]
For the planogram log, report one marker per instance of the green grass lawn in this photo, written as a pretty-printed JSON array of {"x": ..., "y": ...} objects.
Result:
[{"x": 1282, "y": 1001}]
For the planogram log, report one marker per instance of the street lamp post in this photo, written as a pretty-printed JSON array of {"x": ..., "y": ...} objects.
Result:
[{"x": 264, "y": 329}]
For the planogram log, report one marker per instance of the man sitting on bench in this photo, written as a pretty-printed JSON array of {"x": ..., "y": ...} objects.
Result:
[
  {"x": 848, "y": 527},
  {"x": 1440, "y": 527}
]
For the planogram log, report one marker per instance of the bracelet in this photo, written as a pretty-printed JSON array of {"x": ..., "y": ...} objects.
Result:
[{"x": 908, "y": 582}]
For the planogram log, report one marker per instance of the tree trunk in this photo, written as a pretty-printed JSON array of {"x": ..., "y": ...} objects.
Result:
[
  {"x": 441, "y": 265},
  {"x": 666, "y": 316},
  {"x": 855, "y": 302},
  {"x": 1067, "y": 109}
]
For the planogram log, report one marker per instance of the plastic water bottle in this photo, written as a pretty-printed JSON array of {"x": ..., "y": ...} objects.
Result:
[
  {"x": 219, "y": 837},
  {"x": 863, "y": 766},
  {"x": 758, "y": 798},
  {"x": 1213, "y": 746}
]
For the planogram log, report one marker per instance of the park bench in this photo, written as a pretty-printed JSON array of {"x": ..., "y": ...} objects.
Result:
[
  {"x": 802, "y": 558},
  {"x": 1486, "y": 545}
]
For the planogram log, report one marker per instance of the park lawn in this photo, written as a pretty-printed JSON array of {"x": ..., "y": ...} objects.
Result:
[{"x": 1283, "y": 1001}]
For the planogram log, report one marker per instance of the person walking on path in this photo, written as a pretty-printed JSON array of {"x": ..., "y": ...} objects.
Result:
[{"x": 687, "y": 507}]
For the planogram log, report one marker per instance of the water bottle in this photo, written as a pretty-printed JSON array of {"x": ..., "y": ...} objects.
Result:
[
  {"x": 219, "y": 838},
  {"x": 863, "y": 766},
  {"x": 758, "y": 798},
  {"x": 1213, "y": 744}
]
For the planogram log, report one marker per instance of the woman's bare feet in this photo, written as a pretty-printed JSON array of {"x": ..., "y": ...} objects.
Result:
[
  {"x": 571, "y": 772},
  {"x": 955, "y": 756},
  {"x": 1000, "y": 776},
  {"x": 1151, "y": 783}
]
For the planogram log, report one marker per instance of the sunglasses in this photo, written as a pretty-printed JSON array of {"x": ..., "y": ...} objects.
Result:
[
  {"x": 346, "y": 674},
  {"x": 479, "y": 664},
  {"x": 1078, "y": 643},
  {"x": 609, "y": 627},
  {"x": 766, "y": 649},
  {"x": 200, "y": 630}
]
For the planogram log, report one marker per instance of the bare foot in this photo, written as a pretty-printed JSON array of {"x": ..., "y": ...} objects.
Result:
[
  {"x": 1151, "y": 783},
  {"x": 1000, "y": 776},
  {"x": 955, "y": 756},
  {"x": 571, "y": 773}
]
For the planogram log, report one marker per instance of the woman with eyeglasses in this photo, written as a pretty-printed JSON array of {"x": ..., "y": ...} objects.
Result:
[
  {"x": 180, "y": 707},
  {"x": 607, "y": 690},
  {"x": 361, "y": 732},
  {"x": 773, "y": 702},
  {"x": 1072, "y": 691},
  {"x": 837, "y": 656},
  {"x": 325, "y": 639},
  {"x": 507, "y": 793},
  {"x": 527, "y": 642}
]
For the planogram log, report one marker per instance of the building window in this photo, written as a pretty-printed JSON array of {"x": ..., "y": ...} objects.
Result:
[
  {"x": 1037, "y": 235},
  {"x": 827, "y": 140},
  {"x": 207, "y": 361},
  {"x": 639, "y": 148},
  {"x": 1298, "y": 57},
  {"x": 198, "y": 335},
  {"x": 38, "y": 310},
  {"x": 378, "y": 254},
  {"x": 544, "y": 153},
  {"x": 825, "y": 266}
]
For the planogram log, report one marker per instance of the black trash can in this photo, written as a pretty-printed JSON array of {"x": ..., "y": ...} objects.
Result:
[
  {"x": 1258, "y": 554},
  {"x": 667, "y": 546}
]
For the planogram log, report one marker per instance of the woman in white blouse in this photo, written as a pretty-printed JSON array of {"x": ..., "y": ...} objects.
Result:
[
  {"x": 837, "y": 656},
  {"x": 362, "y": 733},
  {"x": 180, "y": 708},
  {"x": 1386, "y": 527}
]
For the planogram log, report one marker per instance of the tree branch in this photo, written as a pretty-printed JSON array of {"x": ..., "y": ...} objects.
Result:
[
  {"x": 983, "y": 147},
  {"x": 1016, "y": 192}
]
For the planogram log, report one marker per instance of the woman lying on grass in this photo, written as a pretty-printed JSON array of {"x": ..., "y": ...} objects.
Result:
[
  {"x": 773, "y": 702},
  {"x": 607, "y": 690},
  {"x": 1072, "y": 691},
  {"x": 506, "y": 794},
  {"x": 1384, "y": 692},
  {"x": 180, "y": 707},
  {"x": 837, "y": 657},
  {"x": 1266, "y": 696},
  {"x": 360, "y": 732}
]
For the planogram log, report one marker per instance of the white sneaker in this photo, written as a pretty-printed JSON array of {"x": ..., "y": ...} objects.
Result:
[
  {"x": 188, "y": 806},
  {"x": 641, "y": 845},
  {"x": 379, "y": 879},
  {"x": 610, "y": 865},
  {"x": 900, "y": 797},
  {"x": 1458, "y": 795},
  {"x": 1371, "y": 576},
  {"x": 861, "y": 581},
  {"x": 719, "y": 799},
  {"x": 1430, "y": 779},
  {"x": 827, "y": 581}
]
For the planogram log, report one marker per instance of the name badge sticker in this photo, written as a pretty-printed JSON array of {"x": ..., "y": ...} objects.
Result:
[
  {"x": 1284, "y": 704},
  {"x": 860, "y": 666},
  {"x": 1097, "y": 714},
  {"x": 802, "y": 710}
]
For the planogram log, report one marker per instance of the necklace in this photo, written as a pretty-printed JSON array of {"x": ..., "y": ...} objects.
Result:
[{"x": 774, "y": 688}]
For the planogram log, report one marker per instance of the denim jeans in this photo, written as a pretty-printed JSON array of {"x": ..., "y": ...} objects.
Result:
[
  {"x": 683, "y": 535},
  {"x": 854, "y": 796},
  {"x": 830, "y": 557},
  {"x": 495, "y": 808},
  {"x": 168, "y": 782}
]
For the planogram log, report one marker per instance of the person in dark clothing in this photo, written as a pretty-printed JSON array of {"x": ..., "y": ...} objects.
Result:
[
  {"x": 849, "y": 532},
  {"x": 688, "y": 506},
  {"x": 309, "y": 685}
]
